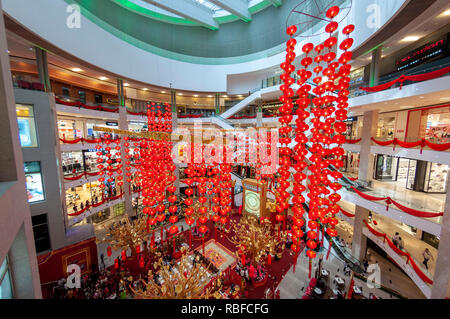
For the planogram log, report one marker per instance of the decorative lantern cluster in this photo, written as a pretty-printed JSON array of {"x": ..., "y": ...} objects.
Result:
[
  {"x": 327, "y": 125},
  {"x": 105, "y": 162},
  {"x": 285, "y": 112}
]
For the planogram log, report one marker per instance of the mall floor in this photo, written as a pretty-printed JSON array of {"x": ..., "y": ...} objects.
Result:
[
  {"x": 294, "y": 284},
  {"x": 412, "y": 244},
  {"x": 391, "y": 276},
  {"x": 428, "y": 202}
]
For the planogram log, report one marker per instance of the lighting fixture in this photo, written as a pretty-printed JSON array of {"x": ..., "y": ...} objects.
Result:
[
  {"x": 210, "y": 96},
  {"x": 163, "y": 92},
  {"x": 195, "y": 95},
  {"x": 446, "y": 13},
  {"x": 145, "y": 89},
  {"x": 76, "y": 70},
  {"x": 224, "y": 96},
  {"x": 180, "y": 93},
  {"x": 103, "y": 78},
  {"x": 410, "y": 38},
  {"x": 126, "y": 84}
]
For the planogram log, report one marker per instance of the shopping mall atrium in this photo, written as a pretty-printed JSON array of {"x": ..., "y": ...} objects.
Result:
[{"x": 225, "y": 149}]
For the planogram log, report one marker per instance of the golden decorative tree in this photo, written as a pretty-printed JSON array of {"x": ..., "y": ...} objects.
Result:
[
  {"x": 181, "y": 281},
  {"x": 256, "y": 238},
  {"x": 127, "y": 235}
]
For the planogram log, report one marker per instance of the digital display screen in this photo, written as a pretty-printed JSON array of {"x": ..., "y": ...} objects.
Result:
[
  {"x": 24, "y": 132},
  {"x": 33, "y": 180},
  {"x": 35, "y": 191}
]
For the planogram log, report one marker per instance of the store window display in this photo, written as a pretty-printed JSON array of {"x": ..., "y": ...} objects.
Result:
[
  {"x": 386, "y": 126},
  {"x": 436, "y": 178},
  {"x": 26, "y": 125},
  {"x": 386, "y": 168},
  {"x": 435, "y": 124},
  {"x": 351, "y": 163},
  {"x": 70, "y": 129},
  {"x": 90, "y": 123},
  {"x": 136, "y": 126},
  {"x": 354, "y": 127},
  {"x": 72, "y": 163}
]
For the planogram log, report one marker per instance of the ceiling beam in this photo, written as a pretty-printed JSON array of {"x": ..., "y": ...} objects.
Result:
[
  {"x": 188, "y": 10},
  {"x": 275, "y": 3},
  {"x": 237, "y": 7}
]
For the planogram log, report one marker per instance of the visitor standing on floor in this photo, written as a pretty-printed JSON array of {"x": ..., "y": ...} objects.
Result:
[
  {"x": 426, "y": 256},
  {"x": 400, "y": 243},
  {"x": 395, "y": 239}
]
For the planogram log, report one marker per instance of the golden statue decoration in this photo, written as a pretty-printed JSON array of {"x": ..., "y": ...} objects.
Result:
[
  {"x": 128, "y": 234},
  {"x": 184, "y": 280},
  {"x": 256, "y": 239}
]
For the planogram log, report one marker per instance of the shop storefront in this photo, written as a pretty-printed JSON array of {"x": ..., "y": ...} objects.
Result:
[
  {"x": 70, "y": 129},
  {"x": 351, "y": 163},
  {"x": 435, "y": 124},
  {"x": 354, "y": 127},
  {"x": 412, "y": 174},
  {"x": 386, "y": 126}
]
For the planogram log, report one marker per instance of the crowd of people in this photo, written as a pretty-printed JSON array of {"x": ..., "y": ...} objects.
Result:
[
  {"x": 248, "y": 272},
  {"x": 97, "y": 285}
]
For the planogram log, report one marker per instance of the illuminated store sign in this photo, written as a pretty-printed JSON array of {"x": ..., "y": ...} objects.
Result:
[{"x": 423, "y": 54}]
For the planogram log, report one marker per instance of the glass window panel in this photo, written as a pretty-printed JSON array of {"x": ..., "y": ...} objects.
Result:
[{"x": 5, "y": 281}]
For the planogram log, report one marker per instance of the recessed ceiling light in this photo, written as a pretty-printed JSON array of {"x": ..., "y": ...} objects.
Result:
[
  {"x": 209, "y": 95},
  {"x": 445, "y": 98},
  {"x": 195, "y": 95},
  {"x": 163, "y": 92},
  {"x": 145, "y": 89},
  {"x": 410, "y": 38},
  {"x": 180, "y": 93},
  {"x": 103, "y": 78},
  {"x": 126, "y": 84},
  {"x": 76, "y": 70},
  {"x": 446, "y": 13},
  {"x": 224, "y": 96},
  {"x": 240, "y": 95}
]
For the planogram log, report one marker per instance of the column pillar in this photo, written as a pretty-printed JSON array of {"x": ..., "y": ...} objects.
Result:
[
  {"x": 366, "y": 159},
  {"x": 42, "y": 67},
  {"x": 217, "y": 103},
  {"x": 123, "y": 125},
  {"x": 359, "y": 241},
  {"x": 375, "y": 66},
  {"x": 120, "y": 92},
  {"x": 259, "y": 114},
  {"x": 442, "y": 269}
]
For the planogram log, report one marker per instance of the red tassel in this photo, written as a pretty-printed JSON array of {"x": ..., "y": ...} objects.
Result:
[
  {"x": 310, "y": 262},
  {"x": 174, "y": 244}
]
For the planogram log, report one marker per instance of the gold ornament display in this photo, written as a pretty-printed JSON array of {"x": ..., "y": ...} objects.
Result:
[
  {"x": 181, "y": 281},
  {"x": 256, "y": 238},
  {"x": 129, "y": 234}
]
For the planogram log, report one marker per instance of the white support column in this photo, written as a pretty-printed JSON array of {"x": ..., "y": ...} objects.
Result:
[
  {"x": 370, "y": 123},
  {"x": 359, "y": 242},
  {"x": 259, "y": 114},
  {"x": 123, "y": 125},
  {"x": 442, "y": 269}
]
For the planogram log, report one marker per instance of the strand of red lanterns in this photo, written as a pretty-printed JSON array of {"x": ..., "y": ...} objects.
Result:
[{"x": 327, "y": 127}]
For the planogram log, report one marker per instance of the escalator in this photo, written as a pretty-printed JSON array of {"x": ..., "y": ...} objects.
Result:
[{"x": 340, "y": 252}]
